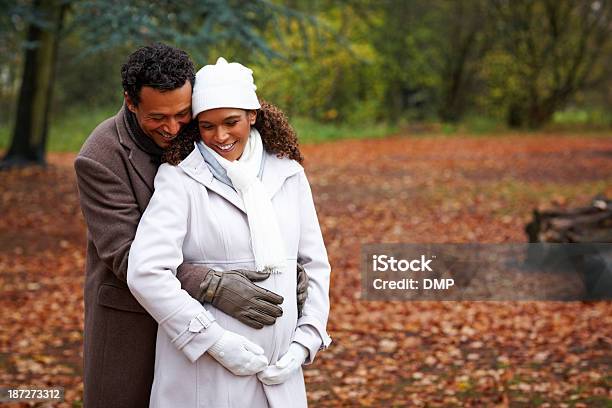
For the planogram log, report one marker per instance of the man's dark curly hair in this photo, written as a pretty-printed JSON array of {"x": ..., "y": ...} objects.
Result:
[
  {"x": 159, "y": 66},
  {"x": 277, "y": 135}
]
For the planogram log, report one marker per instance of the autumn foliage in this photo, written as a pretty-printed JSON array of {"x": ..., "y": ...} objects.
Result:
[{"x": 401, "y": 189}]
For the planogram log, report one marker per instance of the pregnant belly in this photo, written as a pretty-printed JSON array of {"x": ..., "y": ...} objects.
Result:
[{"x": 274, "y": 339}]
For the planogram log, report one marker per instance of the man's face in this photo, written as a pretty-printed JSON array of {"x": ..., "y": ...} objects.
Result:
[{"x": 162, "y": 114}]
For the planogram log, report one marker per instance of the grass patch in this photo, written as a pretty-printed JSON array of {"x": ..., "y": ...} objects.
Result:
[
  {"x": 483, "y": 125},
  {"x": 68, "y": 132},
  {"x": 591, "y": 117},
  {"x": 310, "y": 131},
  {"x": 571, "y": 120},
  {"x": 5, "y": 132}
]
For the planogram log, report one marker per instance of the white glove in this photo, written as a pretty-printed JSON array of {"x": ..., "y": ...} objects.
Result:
[
  {"x": 285, "y": 366},
  {"x": 238, "y": 354}
]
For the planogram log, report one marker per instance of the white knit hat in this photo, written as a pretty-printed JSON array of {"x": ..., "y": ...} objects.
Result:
[{"x": 224, "y": 85}]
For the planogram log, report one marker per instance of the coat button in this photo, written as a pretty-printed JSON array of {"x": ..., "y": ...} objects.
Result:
[{"x": 221, "y": 354}]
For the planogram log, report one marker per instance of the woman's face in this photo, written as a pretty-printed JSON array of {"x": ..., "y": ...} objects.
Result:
[{"x": 226, "y": 130}]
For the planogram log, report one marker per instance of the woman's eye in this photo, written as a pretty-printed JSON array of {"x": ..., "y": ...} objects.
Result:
[{"x": 231, "y": 123}]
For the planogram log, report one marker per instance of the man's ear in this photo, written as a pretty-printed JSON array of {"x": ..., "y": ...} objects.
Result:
[{"x": 129, "y": 103}]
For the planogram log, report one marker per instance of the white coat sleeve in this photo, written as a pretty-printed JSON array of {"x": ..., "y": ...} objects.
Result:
[
  {"x": 155, "y": 254},
  {"x": 311, "y": 327}
]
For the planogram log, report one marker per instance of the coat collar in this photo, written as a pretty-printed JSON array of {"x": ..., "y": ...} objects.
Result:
[
  {"x": 140, "y": 160},
  {"x": 275, "y": 172}
]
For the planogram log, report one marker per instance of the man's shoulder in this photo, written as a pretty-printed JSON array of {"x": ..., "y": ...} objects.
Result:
[{"x": 103, "y": 143}]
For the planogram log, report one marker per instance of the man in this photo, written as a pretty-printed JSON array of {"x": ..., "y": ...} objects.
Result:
[{"x": 115, "y": 171}]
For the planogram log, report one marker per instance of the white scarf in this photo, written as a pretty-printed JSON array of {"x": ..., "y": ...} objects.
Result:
[{"x": 266, "y": 239}]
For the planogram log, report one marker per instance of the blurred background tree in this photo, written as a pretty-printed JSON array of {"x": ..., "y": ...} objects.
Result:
[
  {"x": 351, "y": 65},
  {"x": 97, "y": 29},
  {"x": 431, "y": 52},
  {"x": 44, "y": 20},
  {"x": 556, "y": 48}
]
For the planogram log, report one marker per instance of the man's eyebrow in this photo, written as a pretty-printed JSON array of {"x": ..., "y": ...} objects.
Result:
[{"x": 163, "y": 114}]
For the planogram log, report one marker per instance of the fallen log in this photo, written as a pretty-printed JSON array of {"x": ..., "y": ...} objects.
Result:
[
  {"x": 585, "y": 225},
  {"x": 579, "y": 225}
]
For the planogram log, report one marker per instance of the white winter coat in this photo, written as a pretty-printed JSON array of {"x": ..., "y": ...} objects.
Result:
[{"x": 194, "y": 217}]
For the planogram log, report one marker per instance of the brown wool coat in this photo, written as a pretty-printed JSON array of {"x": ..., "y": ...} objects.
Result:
[{"x": 115, "y": 182}]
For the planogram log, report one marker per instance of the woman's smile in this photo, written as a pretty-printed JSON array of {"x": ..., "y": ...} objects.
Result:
[
  {"x": 225, "y": 148},
  {"x": 226, "y": 130}
]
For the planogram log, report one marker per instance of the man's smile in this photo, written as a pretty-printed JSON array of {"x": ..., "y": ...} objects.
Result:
[{"x": 166, "y": 136}]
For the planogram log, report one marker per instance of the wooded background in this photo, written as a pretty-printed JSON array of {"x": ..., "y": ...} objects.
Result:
[{"x": 356, "y": 63}]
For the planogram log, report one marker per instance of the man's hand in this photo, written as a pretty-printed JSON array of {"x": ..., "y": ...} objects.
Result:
[
  {"x": 302, "y": 288},
  {"x": 234, "y": 293}
]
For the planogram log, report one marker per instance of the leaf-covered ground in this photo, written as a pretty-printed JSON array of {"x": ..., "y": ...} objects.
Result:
[{"x": 413, "y": 190}]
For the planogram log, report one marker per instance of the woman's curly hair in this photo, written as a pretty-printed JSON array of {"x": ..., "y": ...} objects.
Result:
[{"x": 277, "y": 135}]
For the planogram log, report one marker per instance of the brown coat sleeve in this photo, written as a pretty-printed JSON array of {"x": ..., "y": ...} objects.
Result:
[
  {"x": 110, "y": 211},
  {"x": 191, "y": 276}
]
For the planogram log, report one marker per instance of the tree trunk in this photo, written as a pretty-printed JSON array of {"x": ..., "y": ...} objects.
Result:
[
  {"x": 452, "y": 106},
  {"x": 515, "y": 117},
  {"x": 539, "y": 115},
  {"x": 29, "y": 138}
]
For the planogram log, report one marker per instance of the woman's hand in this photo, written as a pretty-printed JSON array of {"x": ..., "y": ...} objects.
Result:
[
  {"x": 286, "y": 366},
  {"x": 238, "y": 354}
]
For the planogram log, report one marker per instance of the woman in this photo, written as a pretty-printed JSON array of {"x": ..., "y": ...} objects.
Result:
[{"x": 238, "y": 199}]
